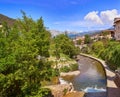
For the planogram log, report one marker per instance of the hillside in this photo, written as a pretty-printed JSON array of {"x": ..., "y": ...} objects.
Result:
[{"x": 6, "y": 19}]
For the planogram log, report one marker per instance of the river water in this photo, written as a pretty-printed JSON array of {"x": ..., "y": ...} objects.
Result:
[{"x": 92, "y": 76}]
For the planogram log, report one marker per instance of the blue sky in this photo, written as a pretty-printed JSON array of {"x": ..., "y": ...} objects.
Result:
[{"x": 73, "y": 15}]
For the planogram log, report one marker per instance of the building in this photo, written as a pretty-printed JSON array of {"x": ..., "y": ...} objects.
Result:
[
  {"x": 108, "y": 34},
  {"x": 117, "y": 28}
]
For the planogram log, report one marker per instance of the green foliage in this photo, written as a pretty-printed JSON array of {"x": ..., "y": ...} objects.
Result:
[
  {"x": 85, "y": 50},
  {"x": 105, "y": 33},
  {"x": 79, "y": 42},
  {"x": 65, "y": 69},
  {"x": 109, "y": 51},
  {"x": 23, "y": 64},
  {"x": 97, "y": 47},
  {"x": 44, "y": 92},
  {"x": 65, "y": 91},
  {"x": 74, "y": 67},
  {"x": 87, "y": 39},
  {"x": 65, "y": 45},
  {"x": 71, "y": 67}
]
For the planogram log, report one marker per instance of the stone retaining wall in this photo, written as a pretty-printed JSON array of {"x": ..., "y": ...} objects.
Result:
[
  {"x": 117, "y": 80},
  {"x": 97, "y": 94}
]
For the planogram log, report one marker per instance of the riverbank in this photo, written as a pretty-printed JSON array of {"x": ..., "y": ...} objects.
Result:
[
  {"x": 113, "y": 90},
  {"x": 64, "y": 90},
  {"x": 75, "y": 94},
  {"x": 59, "y": 91}
]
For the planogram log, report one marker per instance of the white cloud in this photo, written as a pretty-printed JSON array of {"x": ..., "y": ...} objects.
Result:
[
  {"x": 105, "y": 18},
  {"x": 108, "y": 16},
  {"x": 93, "y": 18}
]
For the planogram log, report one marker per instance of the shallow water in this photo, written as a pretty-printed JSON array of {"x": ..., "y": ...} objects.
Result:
[{"x": 92, "y": 77}]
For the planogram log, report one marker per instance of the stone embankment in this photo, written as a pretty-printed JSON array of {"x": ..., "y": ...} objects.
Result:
[
  {"x": 117, "y": 78},
  {"x": 112, "y": 89}
]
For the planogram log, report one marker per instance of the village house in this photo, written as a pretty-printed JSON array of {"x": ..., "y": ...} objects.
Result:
[
  {"x": 117, "y": 28},
  {"x": 108, "y": 34},
  {"x": 79, "y": 38}
]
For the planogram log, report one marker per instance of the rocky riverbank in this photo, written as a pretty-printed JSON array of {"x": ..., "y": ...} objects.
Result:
[
  {"x": 64, "y": 90},
  {"x": 75, "y": 94}
]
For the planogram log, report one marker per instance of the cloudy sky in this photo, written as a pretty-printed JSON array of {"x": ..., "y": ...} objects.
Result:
[{"x": 73, "y": 15}]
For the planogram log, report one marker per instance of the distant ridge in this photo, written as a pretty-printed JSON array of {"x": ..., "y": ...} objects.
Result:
[
  {"x": 6, "y": 19},
  {"x": 72, "y": 35}
]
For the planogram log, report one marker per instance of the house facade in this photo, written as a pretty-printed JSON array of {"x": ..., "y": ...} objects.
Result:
[{"x": 117, "y": 28}]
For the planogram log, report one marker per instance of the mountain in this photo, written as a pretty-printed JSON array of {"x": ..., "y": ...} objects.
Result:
[
  {"x": 73, "y": 35},
  {"x": 55, "y": 32},
  {"x": 6, "y": 19},
  {"x": 111, "y": 28}
]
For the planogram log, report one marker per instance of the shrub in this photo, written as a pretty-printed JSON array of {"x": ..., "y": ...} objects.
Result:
[
  {"x": 44, "y": 92},
  {"x": 65, "y": 69},
  {"x": 74, "y": 67},
  {"x": 71, "y": 67}
]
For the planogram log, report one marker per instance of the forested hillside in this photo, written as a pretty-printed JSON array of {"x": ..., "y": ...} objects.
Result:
[{"x": 6, "y": 19}]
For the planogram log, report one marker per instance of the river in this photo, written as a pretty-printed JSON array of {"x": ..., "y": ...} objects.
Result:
[{"x": 92, "y": 77}]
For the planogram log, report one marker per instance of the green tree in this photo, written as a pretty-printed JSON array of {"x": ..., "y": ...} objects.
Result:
[
  {"x": 97, "y": 47},
  {"x": 21, "y": 69},
  {"x": 87, "y": 39},
  {"x": 79, "y": 42},
  {"x": 65, "y": 45},
  {"x": 109, "y": 52}
]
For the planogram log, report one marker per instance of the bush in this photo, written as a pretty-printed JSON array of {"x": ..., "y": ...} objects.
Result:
[
  {"x": 65, "y": 69},
  {"x": 44, "y": 92},
  {"x": 74, "y": 67},
  {"x": 71, "y": 67}
]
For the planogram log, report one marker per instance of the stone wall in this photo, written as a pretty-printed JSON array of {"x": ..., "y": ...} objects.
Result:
[
  {"x": 117, "y": 79},
  {"x": 97, "y": 94}
]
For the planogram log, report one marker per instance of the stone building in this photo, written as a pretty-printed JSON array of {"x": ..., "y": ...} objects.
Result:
[{"x": 117, "y": 28}]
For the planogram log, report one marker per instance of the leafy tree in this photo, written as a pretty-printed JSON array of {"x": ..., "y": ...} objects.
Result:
[
  {"x": 65, "y": 45},
  {"x": 109, "y": 52},
  {"x": 97, "y": 47},
  {"x": 79, "y": 42},
  {"x": 87, "y": 39},
  {"x": 21, "y": 71}
]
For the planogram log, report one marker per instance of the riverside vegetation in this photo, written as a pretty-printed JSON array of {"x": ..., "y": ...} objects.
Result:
[
  {"x": 106, "y": 49},
  {"x": 25, "y": 49}
]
